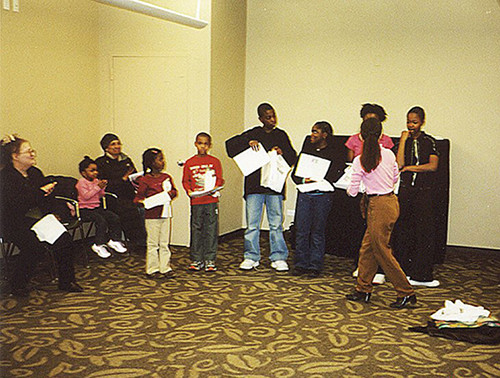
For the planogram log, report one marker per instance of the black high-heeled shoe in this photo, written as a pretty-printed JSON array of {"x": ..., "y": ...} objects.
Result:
[
  {"x": 404, "y": 301},
  {"x": 358, "y": 296}
]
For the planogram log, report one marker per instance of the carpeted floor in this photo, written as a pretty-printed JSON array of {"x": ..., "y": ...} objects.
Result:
[{"x": 241, "y": 324}]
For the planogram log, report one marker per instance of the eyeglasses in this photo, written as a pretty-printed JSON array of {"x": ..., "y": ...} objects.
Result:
[{"x": 29, "y": 152}]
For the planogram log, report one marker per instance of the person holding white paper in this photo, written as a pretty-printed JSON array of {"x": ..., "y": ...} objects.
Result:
[
  {"x": 202, "y": 173},
  {"x": 155, "y": 192},
  {"x": 256, "y": 195},
  {"x": 313, "y": 207},
  {"x": 25, "y": 199}
]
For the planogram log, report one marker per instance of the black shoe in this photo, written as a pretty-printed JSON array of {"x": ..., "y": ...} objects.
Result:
[
  {"x": 20, "y": 292},
  {"x": 169, "y": 274},
  {"x": 404, "y": 301},
  {"x": 297, "y": 271},
  {"x": 72, "y": 287},
  {"x": 358, "y": 296},
  {"x": 313, "y": 273}
]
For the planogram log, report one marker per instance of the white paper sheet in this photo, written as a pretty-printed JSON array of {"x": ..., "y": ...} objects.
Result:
[
  {"x": 48, "y": 229},
  {"x": 249, "y": 160},
  {"x": 134, "y": 176},
  {"x": 274, "y": 173},
  {"x": 312, "y": 167},
  {"x": 201, "y": 193},
  {"x": 345, "y": 180},
  {"x": 161, "y": 199},
  {"x": 155, "y": 200},
  {"x": 322, "y": 186}
]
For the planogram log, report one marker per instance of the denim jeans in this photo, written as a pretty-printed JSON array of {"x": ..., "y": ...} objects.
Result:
[
  {"x": 311, "y": 215},
  {"x": 204, "y": 231},
  {"x": 274, "y": 209}
]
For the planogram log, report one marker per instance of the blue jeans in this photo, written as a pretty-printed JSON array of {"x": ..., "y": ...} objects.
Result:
[
  {"x": 311, "y": 214},
  {"x": 274, "y": 209}
]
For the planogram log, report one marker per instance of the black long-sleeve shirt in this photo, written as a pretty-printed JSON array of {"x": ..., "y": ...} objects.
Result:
[
  {"x": 275, "y": 138},
  {"x": 19, "y": 195},
  {"x": 113, "y": 170},
  {"x": 337, "y": 161}
]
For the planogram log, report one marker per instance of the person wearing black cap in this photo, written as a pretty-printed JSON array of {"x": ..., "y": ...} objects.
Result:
[{"x": 116, "y": 167}]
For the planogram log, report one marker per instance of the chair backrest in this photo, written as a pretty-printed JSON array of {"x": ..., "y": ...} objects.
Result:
[{"x": 65, "y": 188}]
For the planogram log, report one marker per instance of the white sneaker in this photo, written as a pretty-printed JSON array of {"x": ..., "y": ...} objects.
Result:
[
  {"x": 379, "y": 279},
  {"x": 101, "y": 251},
  {"x": 279, "y": 265},
  {"x": 117, "y": 246},
  {"x": 248, "y": 264},
  {"x": 433, "y": 283},
  {"x": 355, "y": 273}
]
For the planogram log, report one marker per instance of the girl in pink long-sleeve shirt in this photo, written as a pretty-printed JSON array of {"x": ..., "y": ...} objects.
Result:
[
  {"x": 376, "y": 167},
  {"x": 90, "y": 191}
]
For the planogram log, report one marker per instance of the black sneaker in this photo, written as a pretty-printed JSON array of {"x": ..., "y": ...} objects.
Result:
[
  {"x": 297, "y": 271},
  {"x": 210, "y": 266},
  {"x": 169, "y": 274},
  {"x": 313, "y": 273},
  {"x": 196, "y": 266}
]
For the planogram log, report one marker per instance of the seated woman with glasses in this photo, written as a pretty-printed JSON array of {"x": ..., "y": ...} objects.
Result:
[{"x": 25, "y": 198}]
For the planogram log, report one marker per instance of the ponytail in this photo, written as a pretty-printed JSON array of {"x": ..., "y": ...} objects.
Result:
[{"x": 371, "y": 129}]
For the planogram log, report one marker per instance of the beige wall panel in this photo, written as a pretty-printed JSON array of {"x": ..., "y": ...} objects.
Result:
[
  {"x": 323, "y": 59},
  {"x": 49, "y": 80},
  {"x": 227, "y": 101}
]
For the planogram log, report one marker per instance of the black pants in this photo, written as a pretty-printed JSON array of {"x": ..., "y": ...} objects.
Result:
[
  {"x": 31, "y": 252},
  {"x": 106, "y": 222},
  {"x": 414, "y": 233},
  {"x": 131, "y": 220}
]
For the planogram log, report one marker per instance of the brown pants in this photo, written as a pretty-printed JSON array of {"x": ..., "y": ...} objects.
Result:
[{"x": 383, "y": 211}]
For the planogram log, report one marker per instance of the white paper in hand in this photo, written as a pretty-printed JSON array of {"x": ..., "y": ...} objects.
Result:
[
  {"x": 274, "y": 173},
  {"x": 48, "y": 229},
  {"x": 312, "y": 167},
  {"x": 249, "y": 160}
]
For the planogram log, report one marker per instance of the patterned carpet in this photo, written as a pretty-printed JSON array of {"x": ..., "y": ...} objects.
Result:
[{"x": 241, "y": 324}]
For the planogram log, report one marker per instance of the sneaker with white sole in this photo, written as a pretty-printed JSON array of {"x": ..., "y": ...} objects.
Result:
[
  {"x": 248, "y": 264},
  {"x": 101, "y": 251},
  {"x": 279, "y": 265},
  {"x": 379, "y": 279},
  {"x": 433, "y": 283},
  {"x": 117, "y": 246}
]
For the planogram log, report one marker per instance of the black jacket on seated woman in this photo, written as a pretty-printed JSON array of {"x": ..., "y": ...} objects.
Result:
[{"x": 25, "y": 198}]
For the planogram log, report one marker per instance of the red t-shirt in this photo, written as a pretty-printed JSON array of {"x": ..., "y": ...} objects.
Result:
[
  {"x": 195, "y": 171},
  {"x": 150, "y": 185}
]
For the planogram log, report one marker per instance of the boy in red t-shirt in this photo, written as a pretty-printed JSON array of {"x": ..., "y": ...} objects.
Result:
[{"x": 202, "y": 179}]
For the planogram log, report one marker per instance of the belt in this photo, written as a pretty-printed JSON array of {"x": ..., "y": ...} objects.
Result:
[{"x": 379, "y": 195}]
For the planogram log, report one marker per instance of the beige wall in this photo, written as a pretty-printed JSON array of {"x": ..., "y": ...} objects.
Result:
[
  {"x": 227, "y": 96},
  {"x": 323, "y": 59},
  {"x": 49, "y": 83}
]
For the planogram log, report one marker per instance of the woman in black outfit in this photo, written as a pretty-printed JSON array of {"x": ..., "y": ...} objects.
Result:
[
  {"x": 25, "y": 198},
  {"x": 116, "y": 167}
]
